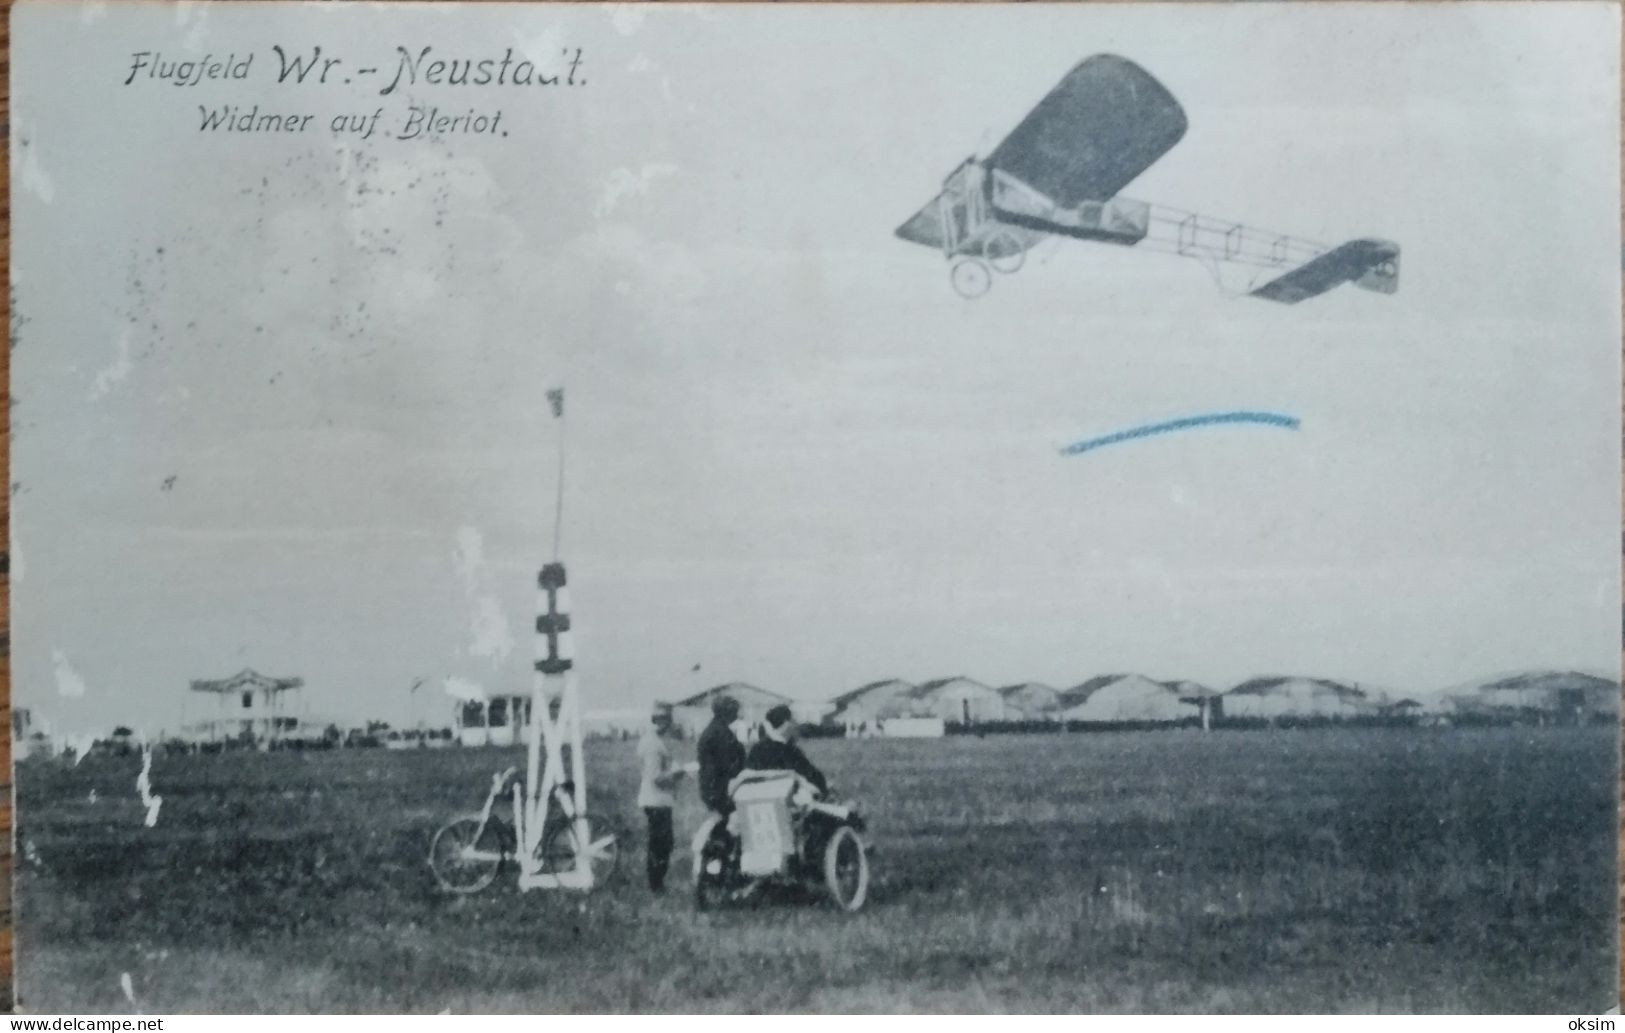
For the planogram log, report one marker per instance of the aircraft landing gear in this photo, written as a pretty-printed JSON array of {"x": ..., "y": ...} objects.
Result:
[
  {"x": 970, "y": 277},
  {"x": 1004, "y": 251}
]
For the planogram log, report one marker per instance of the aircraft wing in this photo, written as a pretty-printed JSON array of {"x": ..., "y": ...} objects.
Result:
[
  {"x": 924, "y": 226},
  {"x": 1371, "y": 264},
  {"x": 1106, "y": 122}
]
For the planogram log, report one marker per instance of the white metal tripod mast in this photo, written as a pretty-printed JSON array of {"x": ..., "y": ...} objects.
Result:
[{"x": 555, "y": 757}]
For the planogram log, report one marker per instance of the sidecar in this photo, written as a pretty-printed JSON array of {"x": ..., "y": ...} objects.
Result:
[{"x": 782, "y": 833}]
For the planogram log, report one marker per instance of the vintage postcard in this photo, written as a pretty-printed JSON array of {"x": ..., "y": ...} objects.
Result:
[{"x": 909, "y": 508}]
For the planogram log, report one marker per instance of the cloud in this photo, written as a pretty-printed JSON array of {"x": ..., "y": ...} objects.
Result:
[
  {"x": 627, "y": 18},
  {"x": 193, "y": 16},
  {"x": 490, "y": 635},
  {"x": 642, "y": 65},
  {"x": 493, "y": 639},
  {"x": 665, "y": 274},
  {"x": 463, "y": 689},
  {"x": 470, "y": 557},
  {"x": 625, "y": 183},
  {"x": 541, "y": 49}
]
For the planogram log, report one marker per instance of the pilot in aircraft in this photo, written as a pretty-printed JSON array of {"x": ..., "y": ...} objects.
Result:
[{"x": 1060, "y": 172}]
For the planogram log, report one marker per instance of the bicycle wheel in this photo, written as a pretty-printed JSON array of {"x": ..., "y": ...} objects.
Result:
[
  {"x": 461, "y": 865},
  {"x": 602, "y": 852}
]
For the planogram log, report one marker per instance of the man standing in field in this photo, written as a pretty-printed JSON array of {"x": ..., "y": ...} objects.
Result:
[
  {"x": 657, "y": 792},
  {"x": 721, "y": 756}
]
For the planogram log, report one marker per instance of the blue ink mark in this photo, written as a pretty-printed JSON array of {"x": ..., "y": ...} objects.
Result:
[{"x": 1271, "y": 419}]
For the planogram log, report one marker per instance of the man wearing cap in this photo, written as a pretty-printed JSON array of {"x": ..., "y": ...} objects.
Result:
[
  {"x": 721, "y": 759},
  {"x": 776, "y": 750},
  {"x": 720, "y": 755},
  {"x": 656, "y": 792}
]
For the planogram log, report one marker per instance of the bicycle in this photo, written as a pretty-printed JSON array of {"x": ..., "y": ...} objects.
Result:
[{"x": 468, "y": 852}]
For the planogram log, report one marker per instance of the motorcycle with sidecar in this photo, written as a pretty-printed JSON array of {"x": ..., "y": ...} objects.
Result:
[{"x": 782, "y": 834}]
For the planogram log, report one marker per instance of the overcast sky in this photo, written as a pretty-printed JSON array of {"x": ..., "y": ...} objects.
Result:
[{"x": 280, "y": 399}]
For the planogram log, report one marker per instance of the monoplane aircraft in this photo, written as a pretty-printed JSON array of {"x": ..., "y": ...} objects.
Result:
[{"x": 1059, "y": 172}]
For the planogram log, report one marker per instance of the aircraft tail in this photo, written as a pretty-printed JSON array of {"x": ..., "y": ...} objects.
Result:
[{"x": 1372, "y": 265}]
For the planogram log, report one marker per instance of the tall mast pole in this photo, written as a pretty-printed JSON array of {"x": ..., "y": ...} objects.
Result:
[{"x": 556, "y": 397}]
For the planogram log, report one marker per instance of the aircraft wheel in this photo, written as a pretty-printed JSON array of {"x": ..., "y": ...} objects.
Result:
[
  {"x": 1004, "y": 251},
  {"x": 971, "y": 277}
]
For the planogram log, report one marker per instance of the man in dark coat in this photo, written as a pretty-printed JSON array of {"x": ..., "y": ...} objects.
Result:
[
  {"x": 721, "y": 756},
  {"x": 776, "y": 750}
]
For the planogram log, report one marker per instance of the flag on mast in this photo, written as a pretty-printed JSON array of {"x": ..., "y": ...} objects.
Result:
[{"x": 555, "y": 398}]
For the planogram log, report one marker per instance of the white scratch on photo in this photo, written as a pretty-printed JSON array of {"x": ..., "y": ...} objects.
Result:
[
  {"x": 143, "y": 785},
  {"x": 69, "y": 685},
  {"x": 78, "y": 745},
  {"x": 33, "y": 175},
  {"x": 114, "y": 372}
]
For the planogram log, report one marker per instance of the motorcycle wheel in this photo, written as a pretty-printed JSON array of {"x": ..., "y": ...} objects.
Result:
[
  {"x": 709, "y": 891},
  {"x": 846, "y": 869}
]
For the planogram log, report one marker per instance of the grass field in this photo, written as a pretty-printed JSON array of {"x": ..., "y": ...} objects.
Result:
[{"x": 1310, "y": 870}]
